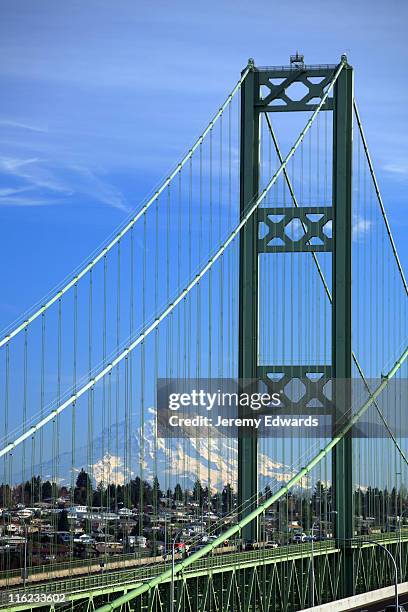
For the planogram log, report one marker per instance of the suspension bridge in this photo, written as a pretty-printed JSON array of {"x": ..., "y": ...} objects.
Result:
[{"x": 266, "y": 254}]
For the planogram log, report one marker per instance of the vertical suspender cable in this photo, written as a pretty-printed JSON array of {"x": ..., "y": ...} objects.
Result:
[
  {"x": 73, "y": 424},
  {"x": 25, "y": 400},
  {"x": 105, "y": 456},
  {"x": 117, "y": 377}
]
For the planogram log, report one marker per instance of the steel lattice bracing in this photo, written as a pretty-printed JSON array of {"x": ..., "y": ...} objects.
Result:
[
  {"x": 273, "y": 581},
  {"x": 240, "y": 264},
  {"x": 277, "y": 239}
]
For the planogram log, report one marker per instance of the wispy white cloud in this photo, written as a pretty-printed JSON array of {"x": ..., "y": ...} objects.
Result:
[
  {"x": 361, "y": 227},
  {"x": 43, "y": 182},
  {"x": 12, "y": 191},
  {"x": 399, "y": 167},
  {"x": 28, "y": 202},
  {"x": 14, "y": 164},
  {"x": 10, "y": 123}
]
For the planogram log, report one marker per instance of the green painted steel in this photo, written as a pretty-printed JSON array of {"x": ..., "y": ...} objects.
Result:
[
  {"x": 104, "y": 371},
  {"x": 320, "y": 271},
  {"x": 180, "y": 567},
  {"x": 75, "y": 565},
  {"x": 251, "y": 106},
  {"x": 85, "y": 586},
  {"x": 233, "y": 571},
  {"x": 277, "y": 99},
  {"x": 342, "y": 311},
  {"x": 294, "y": 556},
  {"x": 209, "y": 580},
  {"x": 248, "y": 293}
]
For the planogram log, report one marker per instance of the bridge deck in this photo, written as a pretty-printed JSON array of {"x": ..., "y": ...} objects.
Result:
[{"x": 127, "y": 577}]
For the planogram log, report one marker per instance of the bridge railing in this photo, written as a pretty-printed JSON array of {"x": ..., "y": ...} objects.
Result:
[
  {"x": 156, "y": 564},
  {"x": 75, "y": 586}
]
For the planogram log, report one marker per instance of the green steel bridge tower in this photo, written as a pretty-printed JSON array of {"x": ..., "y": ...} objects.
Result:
[
  {"x": 339, "y": 211},
  {"x": 252, "y": 260}
]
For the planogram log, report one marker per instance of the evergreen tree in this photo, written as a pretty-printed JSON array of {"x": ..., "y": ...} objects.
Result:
[
  {"x": 227, "y": 499},
  {"x": 27, "y": 493},
  {"x": 83, "y": 485},
  {"x": 63, "y": 524},
  {"x": 198, "y": 493},
  {"x": 135, "y": 491},
  {"x": 35, "y": 487},
  {"x": 46, "y": 490},
  {"x": 147, "y": 494},
  {"x": 99, "y": 496},
  {"x": 157, "y": 494},
  {"x": 178, "y": 493}
]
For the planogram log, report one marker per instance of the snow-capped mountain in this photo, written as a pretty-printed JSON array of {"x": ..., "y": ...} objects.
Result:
[{"x": 214, "y": 461}]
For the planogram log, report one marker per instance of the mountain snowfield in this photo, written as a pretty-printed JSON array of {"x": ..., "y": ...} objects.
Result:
[{"x": 214, "y": 461}]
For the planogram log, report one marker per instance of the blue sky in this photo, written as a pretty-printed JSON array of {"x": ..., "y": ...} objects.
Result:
[{"x": 99, "y": 99}]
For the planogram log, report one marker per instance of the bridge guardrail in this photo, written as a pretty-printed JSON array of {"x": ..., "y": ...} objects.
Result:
[
  {"x": 76, "y": 585},
  {"x": 85, "y": 564}
]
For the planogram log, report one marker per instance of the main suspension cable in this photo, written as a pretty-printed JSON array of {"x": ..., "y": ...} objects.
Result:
[
  {"x": 251, "y": 208},
  {"x": 327, "y": 290},
  {"x": 120, "y": 601},
  {"x": 379, "y": 198},
  {"x": 47, "y": 302}
]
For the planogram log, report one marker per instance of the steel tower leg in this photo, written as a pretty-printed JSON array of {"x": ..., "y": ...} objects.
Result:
[
  {"x": 342, "y": 313},
  {"x": 248, "y": 291}
]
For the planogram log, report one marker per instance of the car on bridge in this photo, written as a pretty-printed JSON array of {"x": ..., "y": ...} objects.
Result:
[
  {"x": 208, "y": 538},
  {"x": 270, "y": 545},
  {"x": 299, "y": 538},
  {"x": 195, "y": 549}
]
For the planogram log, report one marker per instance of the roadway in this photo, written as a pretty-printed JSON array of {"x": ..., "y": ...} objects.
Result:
[
  {"x": 76, "y": 580},
  {"x": 111, "y": 581},
  {"x": 379, "y": 607}
]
